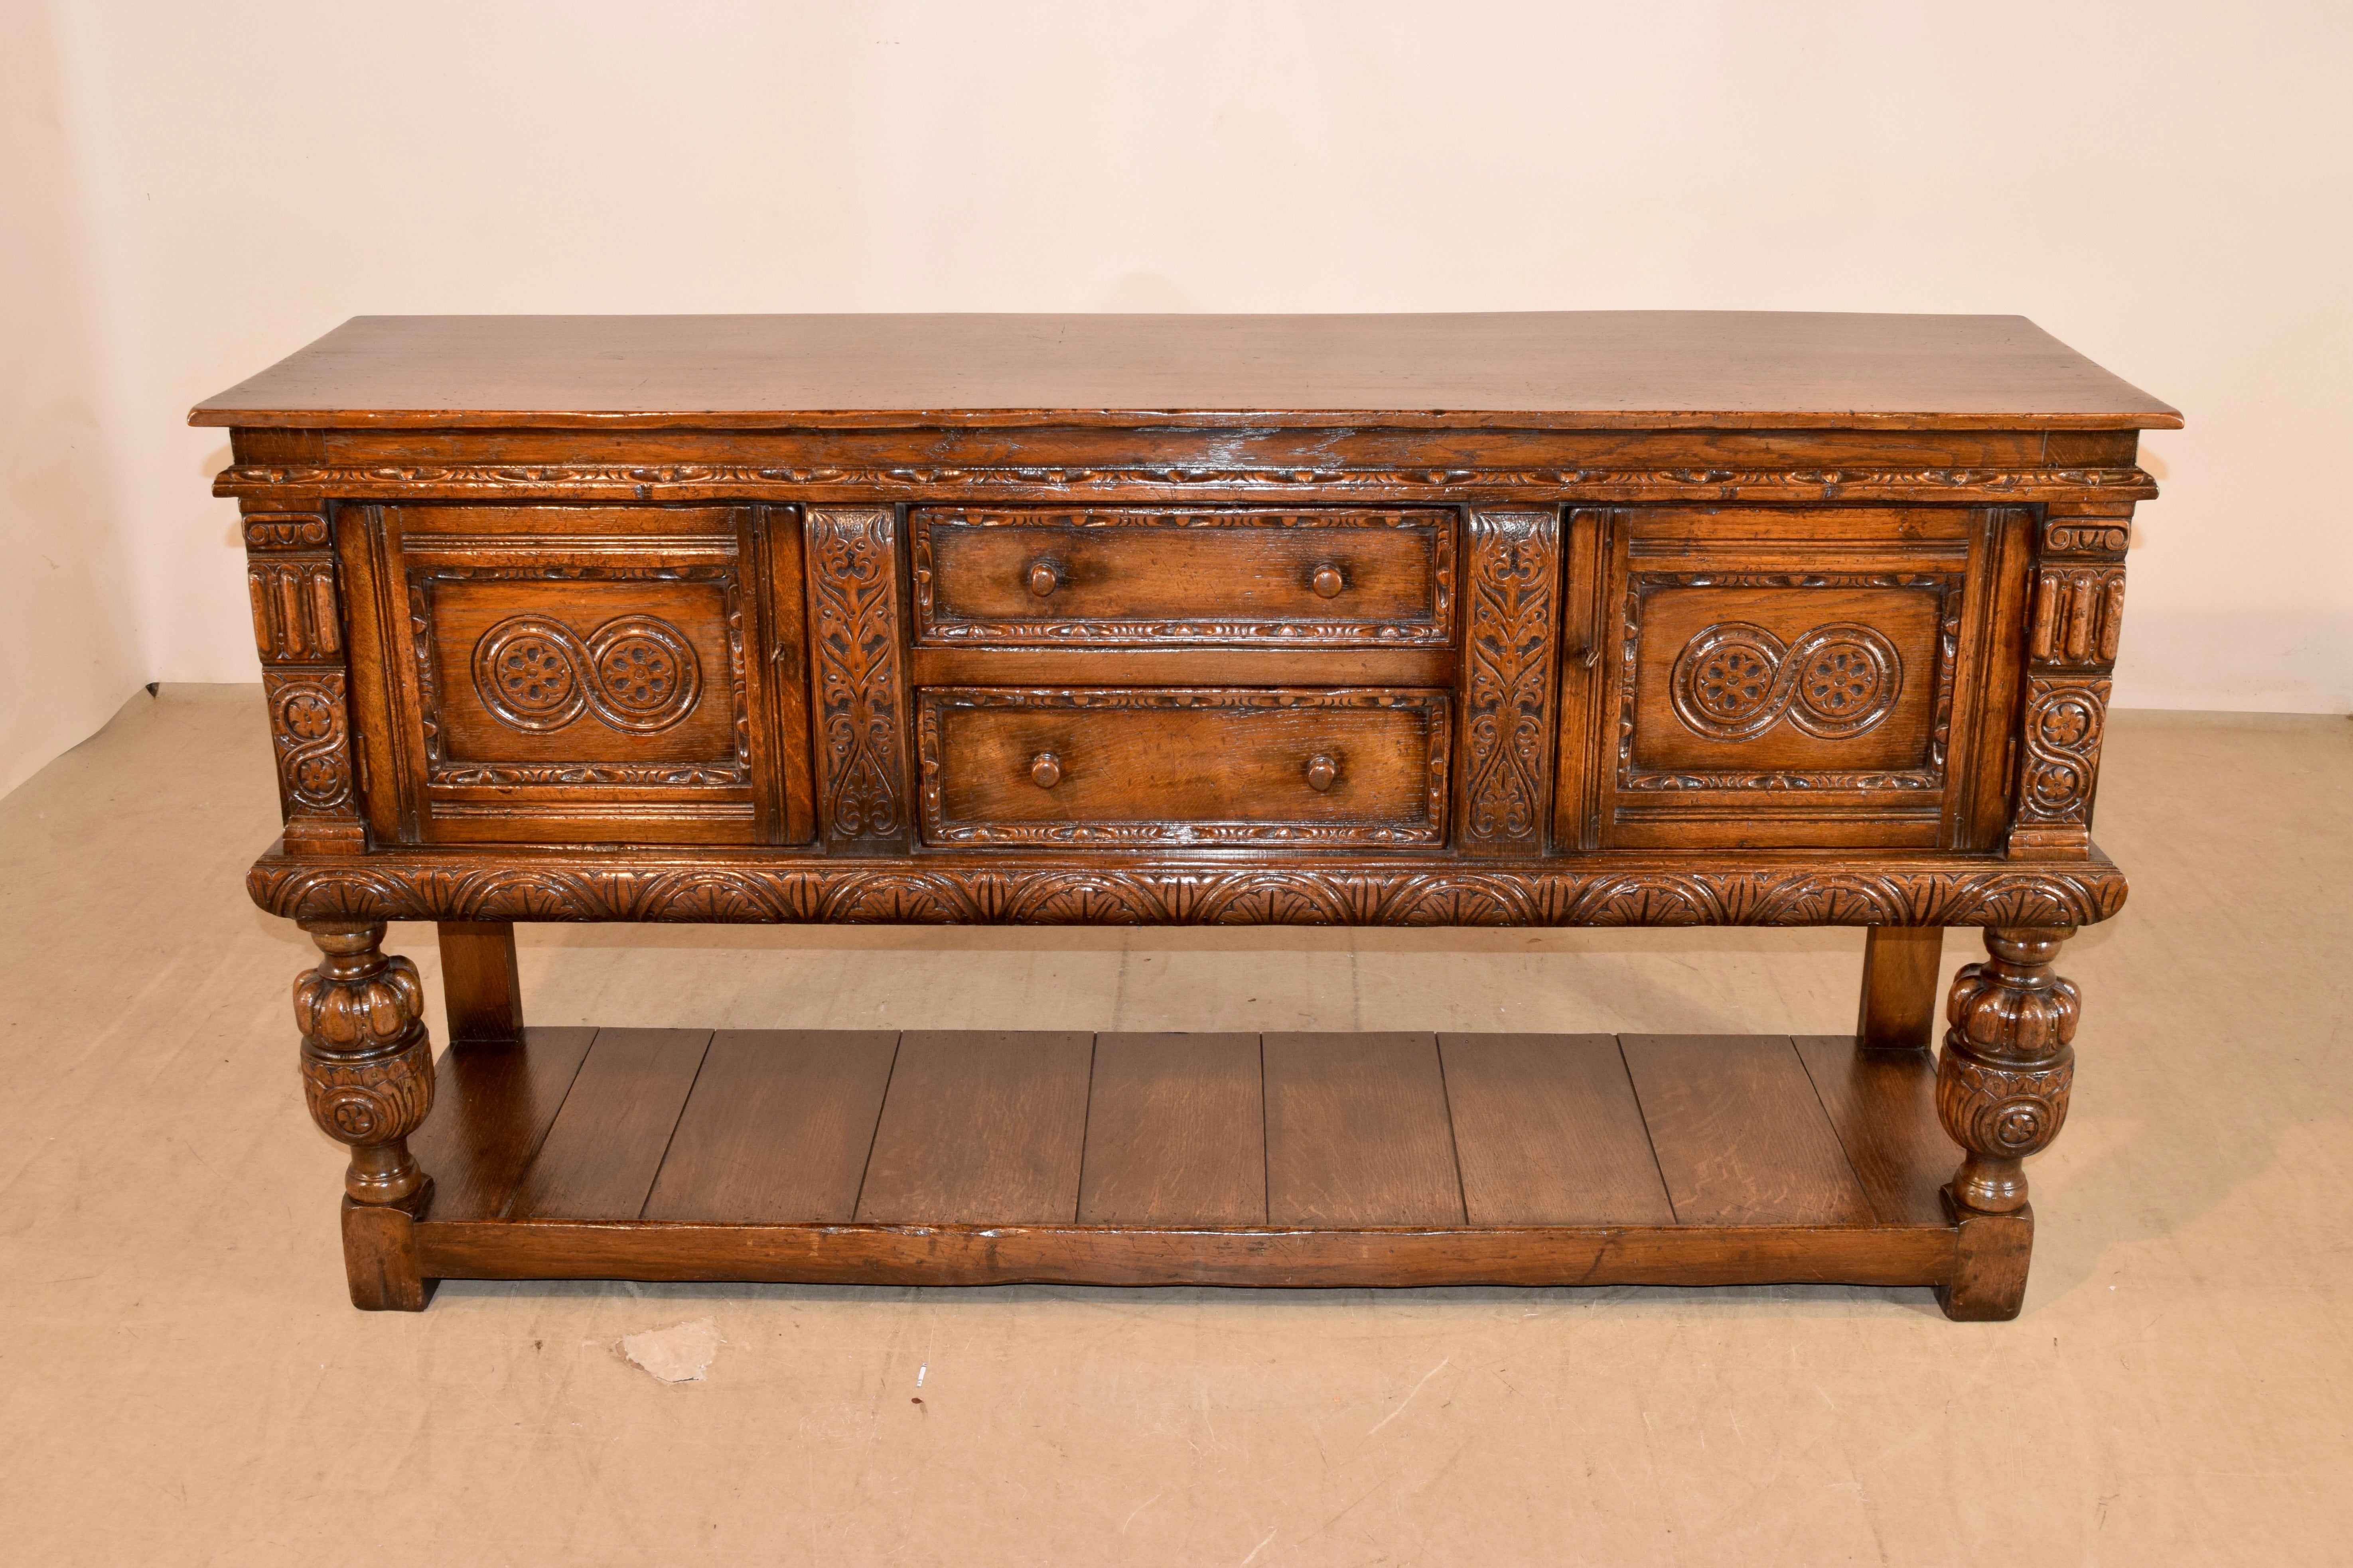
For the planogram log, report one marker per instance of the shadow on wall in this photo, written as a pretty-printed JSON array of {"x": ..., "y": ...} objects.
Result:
[{"x": 59, "y": 556}]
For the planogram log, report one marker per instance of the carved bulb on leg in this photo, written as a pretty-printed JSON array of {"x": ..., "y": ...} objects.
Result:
[
  {"x": 2008, "y": 1063},
  {"x": 367, "y": 1061}
]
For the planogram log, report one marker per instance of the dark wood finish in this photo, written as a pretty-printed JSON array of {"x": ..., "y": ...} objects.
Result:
[
  {"x": 1593, "y": 369},
  {"x": 1547, "y": 1133},
  {"x": 1176, "y": 1132},
  {"x": 1357, "y": 1132},
  {"x": 1900, "y": 1000},
  {"x": 600, "y": 1157},
  {"x": 1185, "y": 765},
  {"x": 1741, "y": 1137},
  {"x": 1628, "y": 618},
  {"x": 778, "y": 1128},
  {"x": 381, "y": 1259},
  {"x": 1319, "y": 1258},
  {"x": 980, "y": 1127},
  {"x": 1883, "y": 1106},
  {"x": 2007, "y": 1065},
  {"x": 1165, "y": 575},
  {"x": 497, "y": 1102},
  {"x": 480, "y": 983}
]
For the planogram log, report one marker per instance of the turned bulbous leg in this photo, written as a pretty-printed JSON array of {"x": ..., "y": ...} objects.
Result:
[
  {"x": 2008, "y": 1063},
  {"x": 367, "y": 1061}
]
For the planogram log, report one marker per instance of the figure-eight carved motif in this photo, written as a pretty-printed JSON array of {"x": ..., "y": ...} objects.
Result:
[
  {"x": 636, "y": 673},
  {"x": 1733, "y": 681}
]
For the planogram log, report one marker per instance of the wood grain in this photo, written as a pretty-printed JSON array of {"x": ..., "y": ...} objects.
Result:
[
  {"x": 981, "y": 1128},
  {"x": 1176, "y": 1132},
  {"x": 1356, "y": 1132},
  {"x": 481, "y": 990},
  {"x": 1901, "y": 996},
  {"x": 1595, "y": 369},
  {"x": 1547, "y": 1132},
  {"x": 1883, "y": 1106},
  {"x": 778, "y": 1127},
  {"x": 1741, "y": 1137},
  {"x": 492, "y": 1106},
  {"x": 599, "y": 1159}
]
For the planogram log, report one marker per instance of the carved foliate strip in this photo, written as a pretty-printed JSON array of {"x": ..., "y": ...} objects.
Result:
[
  {"x": 1510, "y": 647},
  {"x": 702, "y": 481},
  {"x": 991, "y": 889},
  {"x": 854, "y": 622},
  {"x": 310, "y": 726},
  {"x": 2072, "y": 639}
]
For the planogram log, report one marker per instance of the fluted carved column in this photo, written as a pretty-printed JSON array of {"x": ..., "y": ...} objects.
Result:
[
  {"x": 2008, "y": 1064},
  {"x": 367, "y": 1061}
]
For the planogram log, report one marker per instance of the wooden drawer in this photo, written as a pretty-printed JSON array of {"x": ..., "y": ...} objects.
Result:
[
  {"x": 1783, "y": 678},
  {"x": 1353, "y": 767},
  {"x": 548, "y": 674},
  {"x": 1108, "y": 577}
]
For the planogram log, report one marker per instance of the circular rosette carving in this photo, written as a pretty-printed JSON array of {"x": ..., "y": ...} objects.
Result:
[
  {"x": 1733, "y": 681},
  {"x": 638, "y": 673},
  {"x": 646, "y": 675},
  {"x": 2003, "y": 1113},
  {"x": 371, "y": 1102},
  {"x": 528, "y": 672}
]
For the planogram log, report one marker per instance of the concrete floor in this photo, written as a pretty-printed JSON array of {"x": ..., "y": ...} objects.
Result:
[{"x": 181, "y": 1380}]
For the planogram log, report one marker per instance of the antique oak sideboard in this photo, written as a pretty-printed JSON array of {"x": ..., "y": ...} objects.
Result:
[{"x": 1592, "y": 619}]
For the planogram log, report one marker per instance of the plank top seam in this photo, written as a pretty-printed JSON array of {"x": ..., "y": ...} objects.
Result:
[
  {"x": 670, "y": 1142},
  {"x": 522, "y": 1174},
  {"x": 1643, "y": 1116}
]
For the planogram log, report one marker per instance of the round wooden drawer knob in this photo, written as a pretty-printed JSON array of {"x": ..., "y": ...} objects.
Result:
[
  {"x": 1042, "y": 578},
  {"x": 1328, "y": 582},
  {"x": 1045, "y": 770},
  {"x": 1323, "y": 772}
]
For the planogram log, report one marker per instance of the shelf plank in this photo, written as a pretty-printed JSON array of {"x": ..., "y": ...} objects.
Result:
[
  {"x": 1176, "y": 1132},
  {"x": 777, "y": 1128},
  {"x": 492, "y": 1105},
  {"x": 1547, "y": 1132},
  {"x": 1741, "y": 1137},
  {"x": 1356, "y": 1132},
  {"x": 600, "y": 1156},
  {"x": 981, "y": 1127},
  {"x": 1882, "y": 1105}
]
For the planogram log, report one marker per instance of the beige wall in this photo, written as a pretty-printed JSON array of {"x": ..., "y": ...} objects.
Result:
[{"x": 2163, "y": 186}]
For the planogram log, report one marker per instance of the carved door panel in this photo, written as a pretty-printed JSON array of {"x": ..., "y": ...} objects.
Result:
[
  {"x": 1781, "y": 677},
  {"x": 583, "y": 674}
]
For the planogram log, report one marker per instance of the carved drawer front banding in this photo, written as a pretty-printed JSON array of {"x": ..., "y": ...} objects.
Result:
[
  {"x": 1131, "y": 576},
  {"x": 1343, "y": 767}
]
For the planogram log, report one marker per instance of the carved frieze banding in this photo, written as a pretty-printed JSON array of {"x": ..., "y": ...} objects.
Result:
[
  {"x": 2078, "y": 615},
  {"x": 294, "y": 616},
  {"x": 980, "y": 889}
]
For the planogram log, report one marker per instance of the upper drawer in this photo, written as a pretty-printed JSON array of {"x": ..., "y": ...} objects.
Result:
[
  {"x": 1335, "y": 578},
  {"x": 1346, "y": 766}
]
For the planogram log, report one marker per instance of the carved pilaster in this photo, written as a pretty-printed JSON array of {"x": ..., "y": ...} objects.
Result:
[
  {"x": 2072, "y": 639},
  {"x": 367, "y": 1061},
  {"x": 854, "y": 623},
  {"x": 2008, "y": 1064},
  {"x": 298, "y": 631},
  {"x": 1510, "y": 647}
]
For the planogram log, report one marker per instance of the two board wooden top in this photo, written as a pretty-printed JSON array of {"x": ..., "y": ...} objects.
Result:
[{"x": 1556, "y": 369}]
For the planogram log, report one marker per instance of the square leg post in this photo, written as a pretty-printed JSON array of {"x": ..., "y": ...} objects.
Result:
[
  {"x": 1899, "y": 988},
  {"x": 480, "y": 983}
]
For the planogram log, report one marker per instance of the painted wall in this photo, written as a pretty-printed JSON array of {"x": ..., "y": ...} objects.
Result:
[{"x": 2163, "y": 187}]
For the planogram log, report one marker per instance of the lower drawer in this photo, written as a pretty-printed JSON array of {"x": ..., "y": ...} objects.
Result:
[{"x": 1106, "y": 766}]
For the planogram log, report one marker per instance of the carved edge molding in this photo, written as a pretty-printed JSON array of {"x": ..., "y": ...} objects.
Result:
[
  {"x": 930, "y": 750},
  {"x": 933, "y": 625},
  {"x": 712, "y": 888},
  {"x": 298, "y": 631},
  {"x": 692, "y": 481},
  {"x": 1951, "y": 588},
  {"x": 1512, "y": 584},
  {"x": 854, "y": 630}
]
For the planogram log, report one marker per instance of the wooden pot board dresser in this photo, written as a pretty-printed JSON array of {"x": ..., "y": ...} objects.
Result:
[{"x": 1596, "y": 619}]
